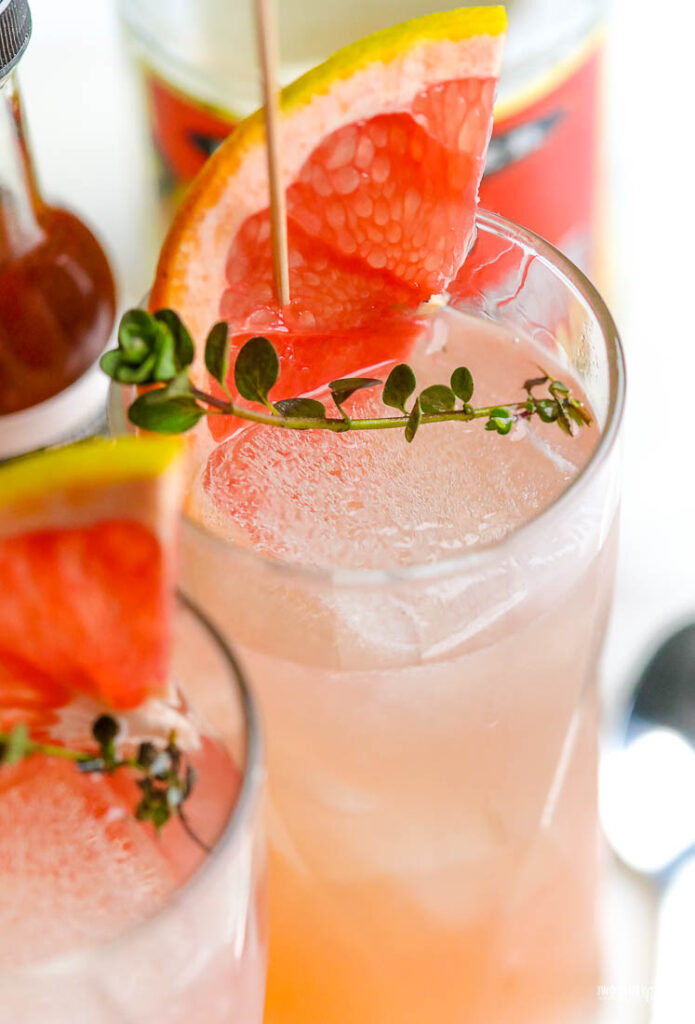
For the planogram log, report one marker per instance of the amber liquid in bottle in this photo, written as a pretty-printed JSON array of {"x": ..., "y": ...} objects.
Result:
[{"x": 57, "y": 297}]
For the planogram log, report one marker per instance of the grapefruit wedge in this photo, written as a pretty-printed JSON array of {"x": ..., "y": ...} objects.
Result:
[
  {"x": 383, "y": 147},
  {"x": 86, "y": 541}
]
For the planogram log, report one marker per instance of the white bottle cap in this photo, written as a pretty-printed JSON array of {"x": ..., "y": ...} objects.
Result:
[{"x": 76, "y": 412}]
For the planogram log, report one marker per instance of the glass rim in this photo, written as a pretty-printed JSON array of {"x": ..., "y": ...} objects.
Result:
[
  {"x": 242, "y": 811},
  {"x": 477, "y": 558}
]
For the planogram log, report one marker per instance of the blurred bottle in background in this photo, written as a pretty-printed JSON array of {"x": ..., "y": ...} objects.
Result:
[
  {"x": 197, "y": 62},
  {"x": 57, "y": 299}
]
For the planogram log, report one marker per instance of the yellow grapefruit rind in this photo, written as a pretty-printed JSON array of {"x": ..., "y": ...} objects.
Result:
[
  {"x": 137, "y": 478},
  {"x": 379, "y": 74}
]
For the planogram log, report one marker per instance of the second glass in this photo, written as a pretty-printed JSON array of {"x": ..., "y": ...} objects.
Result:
[{"x": 202, "y": 954}]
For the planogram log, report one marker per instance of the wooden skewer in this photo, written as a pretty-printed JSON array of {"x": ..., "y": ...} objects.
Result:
[{"x": 266, "y": 27}]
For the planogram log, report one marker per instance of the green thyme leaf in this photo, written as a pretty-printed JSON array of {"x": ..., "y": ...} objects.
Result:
[
  {"x": 579, "y": 410},
  {"x": 105, "y": 730},
  {"x": 501, "y": 426},
  {"x": 110, "y": 363},
  {"x": 547, "y": 409},
  {"x": 142, "y": 374},
  {"x": 165, "y": 367},
  {"x": 165, "y": 415},
  {"x": 347, "y": 386},
  {"x": 462, "y": 384},
  {"x": 153, "y": 806},
  {"x": 169, "y": 410},
  {"x": 137, "y": 334},
  {"x": 301, "y": 409},
  {"x": 437, "y": 398},
  {"x": 399, "y": 386},
  {"x": 562, "y": 421},
  {"x": 535, "y": 382},
  {"x": 256, "y": 370},
  {"x": 217, "y": 353},
  {"x": 184, "y": 350},
  {"x": 113, "y": 364},
  {"x": 413, "y": 421},
  {"x": 147, "y": 752},
  {"x": 500, "y": 420}
]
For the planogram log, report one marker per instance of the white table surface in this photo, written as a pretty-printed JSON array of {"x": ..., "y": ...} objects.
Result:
[{"x": 86, "y": 136}]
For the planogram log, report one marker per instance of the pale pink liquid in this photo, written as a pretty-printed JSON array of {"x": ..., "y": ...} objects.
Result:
[
  {"x": 431, "y": 741},
  {"x": 101, "y": 918}
]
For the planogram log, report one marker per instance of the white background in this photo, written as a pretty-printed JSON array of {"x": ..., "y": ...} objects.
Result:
[{"x": 83, "y": 122}]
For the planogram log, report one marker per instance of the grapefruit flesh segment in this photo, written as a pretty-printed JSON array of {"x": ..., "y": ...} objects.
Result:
[
  {"x": 86, "y": 552},
  {"x": 329, "y": 290},
  {"x": 380, "y": 217},
  {"x": 397, "y": 192},
  {"x": 87, "y": 608}
]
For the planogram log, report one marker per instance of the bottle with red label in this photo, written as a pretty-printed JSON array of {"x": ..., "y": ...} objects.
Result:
[
  {"x": 57, "y": 298},
  {"x": 197, "y": 61}
]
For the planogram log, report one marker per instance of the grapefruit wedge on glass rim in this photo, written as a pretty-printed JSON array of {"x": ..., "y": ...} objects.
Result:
[
  {"x": 382, "y": 151},
  {"x": 86, "y": 596}
]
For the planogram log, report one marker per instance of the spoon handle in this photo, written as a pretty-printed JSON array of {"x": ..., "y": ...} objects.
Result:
[{"x": 674, "y": 979}]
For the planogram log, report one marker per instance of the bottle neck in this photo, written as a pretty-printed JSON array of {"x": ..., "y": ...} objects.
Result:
[{"x": 20, "y": 201}]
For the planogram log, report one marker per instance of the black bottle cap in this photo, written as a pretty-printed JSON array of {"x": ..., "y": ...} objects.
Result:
[{"x": 15, "y": 32}]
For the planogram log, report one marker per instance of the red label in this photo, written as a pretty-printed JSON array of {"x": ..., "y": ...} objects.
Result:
[
  {"x": 543, "y": 162},
  {"x": 184, "y": 132},
  {"x": 542, "y": 165}
]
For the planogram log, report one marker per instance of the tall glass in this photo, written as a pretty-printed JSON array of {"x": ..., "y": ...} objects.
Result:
[
  {"x": 203, "y": 956},
  {"x": 432, "y": 729}
]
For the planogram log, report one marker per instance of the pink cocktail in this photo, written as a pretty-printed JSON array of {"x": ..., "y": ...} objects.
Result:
[
  {"x": 423, "y": 624},
  {"x": 102, "y": 919}
]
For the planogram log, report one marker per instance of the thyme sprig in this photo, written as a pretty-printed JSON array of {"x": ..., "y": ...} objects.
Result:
[
  {"x": 163, "y": 777},
  {"x": 158, "y": 349}
]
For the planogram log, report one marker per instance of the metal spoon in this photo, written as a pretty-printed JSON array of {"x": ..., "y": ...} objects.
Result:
[{"x": 648, "y": 813}]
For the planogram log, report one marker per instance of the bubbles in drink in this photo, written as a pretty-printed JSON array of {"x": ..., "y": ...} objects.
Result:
[{"x": 368, "y": 499}]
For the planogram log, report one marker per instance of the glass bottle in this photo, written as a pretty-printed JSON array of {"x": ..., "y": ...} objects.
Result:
[
  {"x": 197, "y": 63},
  {"x": 57, "y": 296}
]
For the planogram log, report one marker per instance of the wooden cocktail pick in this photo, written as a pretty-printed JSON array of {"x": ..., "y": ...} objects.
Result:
[{"x": 266, "y": 28}]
